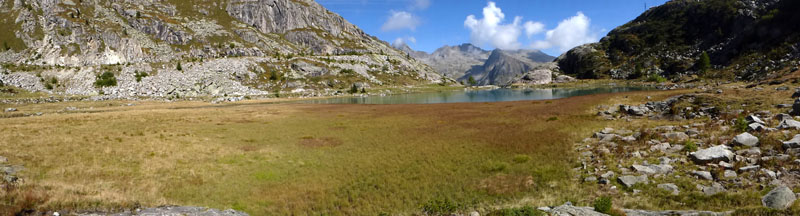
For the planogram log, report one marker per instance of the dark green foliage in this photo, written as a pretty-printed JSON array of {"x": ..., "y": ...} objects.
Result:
[
  {"x": 106, "y": 79},
  {"x": 471, "y": 81},
  {"x": 689, "y": 146},
  {"x": 552, "y": 118},
  {"x": 363, "y": 90},
  {"x": 274, "y": 76},
  {"x": 347, "y": 71},
  {"x": 353, "y": 89},
  {"x": 441, "y": 206},
  {"x": 740, "y": 124},
  {"x": 704, "y": 63},
  {"x": 232, "y": 46},
  {"x": 138, "y": 15},
  {"x": 139, "y": 75},
  {"x": 179, "y": 68},
  {"x": 5, "y": 46},
  {"x": 522, "y": 211},
  {"x": 603, "y": 205},
  {"x": 656, "y": 78}
]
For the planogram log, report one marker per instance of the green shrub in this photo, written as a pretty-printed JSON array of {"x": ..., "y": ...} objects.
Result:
[
  {"x": 522, "y": 211},
  {"x": 353, "y": 89},
  {"x": 552, "y": 118},
  {"x": 106, "y": 79},
  {"x": 603, "y": 205},
  {"x": 363, "y": 90},
  {"x": 441, "y": 206},
  {"x": 656, "y": 78},
  {"x": 179, "y": 68},
  {"x": 139, "y": 75},
  {"x": 495, "y": 166},
  {"x": 689, "y": 146},
  {"x": 471, "y": 81},
  {"x": 704, "y": 63},
  {"x": 740, "y": 124},
  {"x": 347, "y": 71},
  {"x": 521, "y": 158}
]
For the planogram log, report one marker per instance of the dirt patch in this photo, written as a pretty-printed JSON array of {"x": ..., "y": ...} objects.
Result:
[{"x": 319, "y": 142}]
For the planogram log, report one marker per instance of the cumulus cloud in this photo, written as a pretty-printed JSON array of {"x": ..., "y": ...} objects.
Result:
[
  {"x": 569, "y": 33},
  {"x": 532, "y": 28},
  {"x": 399, "y": 42},
  {"x": 399, "y": 20},
  {"x": 491, "y": 30},
  {"x": 420, "y": 4}
]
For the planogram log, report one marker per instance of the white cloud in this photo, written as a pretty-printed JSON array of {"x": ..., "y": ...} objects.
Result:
[
  {"x": 400, "y": 20},
  {"x": 532, "y": 28},
  {"x": 420, "y": 4},
  {"x": 399, "y": 42},
  {"x": 569, "y": 33},
  {"x": 490, "y": 30}
]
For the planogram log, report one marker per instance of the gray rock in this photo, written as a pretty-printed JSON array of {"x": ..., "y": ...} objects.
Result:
[
  {"x": 792, "y": 143},
  {"x": 754, "y": 119},
  {"x": 712, "y": 154},
  {"x": 729, "y": 174},
  {"x": 749, "y": 168},
  {"x": 715, "y": 188},
  {"x": 677, "y": 136},
  {"x": 703, "y": 175},
  {"x": 789, "y": 124},
  {"x": 629, "y": 180},
  {"x": 782, "y": 116},
  {"x": 590, "y": 179},
  {"x": 755, "y": 151},
  {"x": 11, "y": 109},
  {"x": 795, "y": 108},
  {"x": 474, "y": 213},
  {"x": 3, "y": 160},
  {"x": 745, "y": 139},
  {"x": 779, "y": 198},
  {"x": 796, "y": 93},
  {"x": 756, "y": 127},
  {"x": 569, "y": 210},
  {"x": 670, "y": 188}
]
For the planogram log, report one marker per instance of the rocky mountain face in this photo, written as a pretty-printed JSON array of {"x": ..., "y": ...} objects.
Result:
[
  {"x": 176, "y": 48},
  {"x": 503, "y": 67},
  {"x": 496, "y": 67},
  {"x": 745, "y": 40}
]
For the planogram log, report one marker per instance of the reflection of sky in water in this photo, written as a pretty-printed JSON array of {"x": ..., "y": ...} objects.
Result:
[{"x": 475, "y": 96}]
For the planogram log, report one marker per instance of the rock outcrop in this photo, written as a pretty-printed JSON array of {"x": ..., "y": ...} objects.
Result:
[{"x": 285, "y": 46}]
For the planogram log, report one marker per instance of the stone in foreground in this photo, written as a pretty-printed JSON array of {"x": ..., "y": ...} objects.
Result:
[
  {"x": 569, "y": 210},
  {"x": 670, "y": 188},
  {"x": 745, "y": 139},
  {"x": 792, "y": 143},
  {"x": 779, "y": 198},
  {"x": 630, "y": 181},
  {"x": 713, "y": 154}
]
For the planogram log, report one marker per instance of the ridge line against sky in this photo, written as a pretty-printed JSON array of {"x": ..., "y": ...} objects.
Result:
[{"x": 551, "y": 26}]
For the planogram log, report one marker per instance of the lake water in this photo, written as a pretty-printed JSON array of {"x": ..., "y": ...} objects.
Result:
[{"x": 493, "y": 95}]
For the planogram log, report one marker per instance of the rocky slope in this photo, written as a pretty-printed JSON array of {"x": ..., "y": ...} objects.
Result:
[
  {"x": 496, "y": 67},
  {"x": 745, "y": 40},
  {"x": 226, "y": 47}
]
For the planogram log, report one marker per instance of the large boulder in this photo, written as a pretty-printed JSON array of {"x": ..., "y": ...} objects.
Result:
[
  {"x": 792, "y": 143},
  {"x": 569, "y": 210},
  {"x": 779, "y": 198},
  {"x": 713, "y": 154},
  {"x": 630, "y": 181},
  {"x": 789, "y": 124},
  {"x": 745, "y": 139},
  {"x": 795, "y": 108}
]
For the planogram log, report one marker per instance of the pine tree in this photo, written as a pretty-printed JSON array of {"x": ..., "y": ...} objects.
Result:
[
  {"x": 471, "y": 81},
  {"x": 704, "y": 63},
  {"x": 179, "y": 68}
]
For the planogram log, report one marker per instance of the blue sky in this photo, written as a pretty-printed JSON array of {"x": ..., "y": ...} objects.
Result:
[{"x": 552, "y": 25}]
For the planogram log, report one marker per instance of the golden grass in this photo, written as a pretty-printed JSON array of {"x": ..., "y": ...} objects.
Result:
[{"x": 279, "y": 159}]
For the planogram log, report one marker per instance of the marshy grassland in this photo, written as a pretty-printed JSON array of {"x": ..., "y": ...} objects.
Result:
[{"x": 297, "y": 159}]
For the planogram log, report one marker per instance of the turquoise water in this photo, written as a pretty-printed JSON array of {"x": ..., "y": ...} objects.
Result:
[{"x": 466, "y": 96}]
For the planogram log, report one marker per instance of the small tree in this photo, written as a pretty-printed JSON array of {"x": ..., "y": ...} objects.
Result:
[
  {"x": 353, "y": 89},
  {"x": 704, "y": 63},
  {"x": 471, "y": 81},
  {"x": 363, "y": 90},
  {"x": 179, "y": 68}
]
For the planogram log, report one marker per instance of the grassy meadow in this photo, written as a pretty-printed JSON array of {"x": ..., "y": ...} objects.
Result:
[{"x": 300, "y": 159}]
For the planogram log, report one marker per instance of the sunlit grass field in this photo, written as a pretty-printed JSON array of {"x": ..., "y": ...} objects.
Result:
[{"x": 284, "y": 159}]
